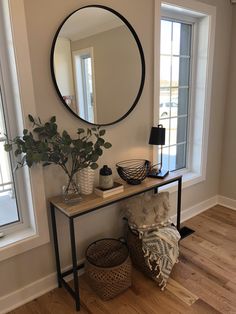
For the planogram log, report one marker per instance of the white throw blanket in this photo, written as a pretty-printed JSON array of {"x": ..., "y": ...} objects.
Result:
[{"x": 161, "y": 251}]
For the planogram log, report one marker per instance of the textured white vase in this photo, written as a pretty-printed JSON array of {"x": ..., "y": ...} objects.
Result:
[{"x": 86, "y": 180}]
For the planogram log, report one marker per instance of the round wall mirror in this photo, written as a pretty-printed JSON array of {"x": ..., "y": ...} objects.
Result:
[{"x": 97, "y": 65}]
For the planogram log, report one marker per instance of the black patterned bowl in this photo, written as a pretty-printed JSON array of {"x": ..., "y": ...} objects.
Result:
[{"x": 133, "y": 171}]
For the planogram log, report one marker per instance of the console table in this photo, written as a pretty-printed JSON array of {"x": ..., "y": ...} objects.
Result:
[{"x": 91, "y": 203}]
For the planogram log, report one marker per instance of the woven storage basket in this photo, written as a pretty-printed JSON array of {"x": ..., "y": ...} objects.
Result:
[
  {"x": 137, "y": 256},
  {"x": 108, "y": 267}
]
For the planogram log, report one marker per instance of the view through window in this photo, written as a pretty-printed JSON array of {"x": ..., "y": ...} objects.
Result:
[
  {"x": 84, "y": 84},
  {"x": 8, "y": 204},
  {"x": 175, "y": 61}
]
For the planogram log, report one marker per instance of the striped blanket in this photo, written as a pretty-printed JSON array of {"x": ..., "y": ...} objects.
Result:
[{"x": 161, "y": 251}]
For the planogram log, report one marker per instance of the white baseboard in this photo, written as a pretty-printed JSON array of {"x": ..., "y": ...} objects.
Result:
[
  {"x": 30, "y": 292},
  {"x": 227, "y": 202},
  {"x": 36, "y": 289},
  {"x": 19, "y": 297},
  {"x": 196, "y": 209}
]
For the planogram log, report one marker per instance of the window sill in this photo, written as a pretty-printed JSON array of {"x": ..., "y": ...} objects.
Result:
[
  {"x": 189, "y": 179},
  {"x": 20, "y": 242}
]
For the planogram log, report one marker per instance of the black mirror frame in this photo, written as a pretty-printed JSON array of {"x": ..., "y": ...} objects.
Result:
[{"x": 143, "y": 67}]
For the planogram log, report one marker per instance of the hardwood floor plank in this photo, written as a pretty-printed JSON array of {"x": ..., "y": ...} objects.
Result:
[
  {"x": 205, "y": 266},
  {"x": 180, "y": 292},
  {"x": 201, "y": 307},
  {"x": 164, "y": 301},
  {"x": 220, "y": 213},
  {"x": 203, "y": 282},
  {"x": 210, "y": 292}
]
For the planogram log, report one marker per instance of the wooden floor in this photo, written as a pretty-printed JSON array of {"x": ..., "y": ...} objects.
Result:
[{"x": 204, "y": 281}]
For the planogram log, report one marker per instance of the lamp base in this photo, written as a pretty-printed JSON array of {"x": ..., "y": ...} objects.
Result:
[{"x": 158, "y": 174}]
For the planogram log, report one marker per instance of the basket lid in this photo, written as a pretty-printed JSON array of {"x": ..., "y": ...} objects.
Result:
[{"x": 107, "y": 253}]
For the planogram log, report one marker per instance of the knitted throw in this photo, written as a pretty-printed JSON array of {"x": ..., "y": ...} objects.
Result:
[{"x": 161, "y": 251}]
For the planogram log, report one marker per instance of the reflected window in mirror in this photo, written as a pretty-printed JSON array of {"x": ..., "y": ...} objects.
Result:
[{"x": 84, "y": 80}]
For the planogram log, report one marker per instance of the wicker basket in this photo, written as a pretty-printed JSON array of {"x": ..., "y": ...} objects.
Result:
[
  {"x": 108, "y": 267},
  {"x": 137, "y": 256}
]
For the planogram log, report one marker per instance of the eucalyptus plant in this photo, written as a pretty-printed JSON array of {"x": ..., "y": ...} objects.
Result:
[{"x": 46, "y": 145}]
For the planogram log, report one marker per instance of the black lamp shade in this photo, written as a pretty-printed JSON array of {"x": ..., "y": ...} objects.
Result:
[{"x": 157, "y": 136}]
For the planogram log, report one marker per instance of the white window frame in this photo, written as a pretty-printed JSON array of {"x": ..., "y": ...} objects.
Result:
[
  {"x": 190, "y": 11},
  {"x": 18, "y": 89}
]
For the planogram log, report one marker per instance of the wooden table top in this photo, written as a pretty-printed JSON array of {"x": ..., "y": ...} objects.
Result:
[{"x": 91, "y": 202}]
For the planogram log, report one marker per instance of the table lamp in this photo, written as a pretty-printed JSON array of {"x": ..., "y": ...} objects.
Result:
[{"x": 157, "y": 137}]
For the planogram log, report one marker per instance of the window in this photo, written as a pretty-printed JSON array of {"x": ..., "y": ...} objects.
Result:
[
  {"x": 84, "y": 83},
  {"x": 184, "y": 50},
  {"x": 26, "y": 227},
  {"x": 175, "y": 63}
]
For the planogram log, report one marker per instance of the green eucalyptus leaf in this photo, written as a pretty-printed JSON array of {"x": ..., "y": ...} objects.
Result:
[
  {"x": 38, "y": 129},
  {"x": 100, "y": 141},
  {"x": 53, "y": 119},
  {"x": 29, "y": 162},
  {"x": 17, "y": 152},
  {"x": 102, "y": 132},
  {"x": 80, "y": 130},
  {"x": 94, "y": 157},
  {"x": 30, "y": 118},
  {"x": 99, "y": 151},
  {"x": 8, "y": 147},
  {"x": 107, "y": 145},
  {"x": 94, "y": 166}
]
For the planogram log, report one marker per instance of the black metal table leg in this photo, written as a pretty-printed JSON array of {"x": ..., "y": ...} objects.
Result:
[
  {"x": 56, "y": 248},
  {"x": 184, "y": 231},
  {"x": 74, "y": 264},
  {"x": 179, "y": 203}
]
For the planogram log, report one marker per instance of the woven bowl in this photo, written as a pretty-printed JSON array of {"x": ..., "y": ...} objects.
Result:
[{"x": 133, "y": 171}]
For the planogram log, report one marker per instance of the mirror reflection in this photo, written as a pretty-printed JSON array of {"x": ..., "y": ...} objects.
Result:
[{"x": 97, "y": 65}]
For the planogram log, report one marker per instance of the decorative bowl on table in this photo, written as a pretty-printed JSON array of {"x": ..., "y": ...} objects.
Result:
[{"x": 133, "y": 171}]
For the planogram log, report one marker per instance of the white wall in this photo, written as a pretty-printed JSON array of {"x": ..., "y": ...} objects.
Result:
[
  {"x": 117, "y": 65},
  {"x": 228, "y": 167},
  {"x": 129, "y": 137},
  {"x": 63, "y": 67}
]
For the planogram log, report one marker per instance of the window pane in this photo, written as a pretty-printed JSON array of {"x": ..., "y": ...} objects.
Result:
[
  {"x": 165, "y": 37},
  {"x": 185, "y": 42},
  {"x": 183, "y": 101},
  {"x": 181, "y": 156},
  {"x": 176, "y": 38},
  {"x": 2, "y": 129},
  {"x": 165, "y": 158},
  {"x": 88, "y": 87},
  {"x": 164, "y": 95},
  {"x": 173, "y": 131},
  {"x": 165, "y": 71},
  {"x": 184, "y": 64},
  {"x": 166, "y": 125},
  {"x": 174, "y": 102},
  {"x": 182, "y": 129},
  {"x": 175, "y": 71},
  {"x": 8, "y": 204},
  {"x": 172, "y": 158}
]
